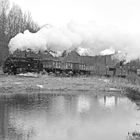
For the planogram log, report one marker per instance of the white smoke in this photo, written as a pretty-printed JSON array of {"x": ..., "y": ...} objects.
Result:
[
  {"x": 87, "y": 39},
  {"x": 83, "y": 51},
  {"x": 107, "y": 51},
  {"x": 120, "y": 56}
]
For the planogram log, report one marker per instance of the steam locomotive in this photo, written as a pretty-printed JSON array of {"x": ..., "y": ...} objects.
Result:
[
  {"x": 71, "y": 64},
  {"x": 14, "y": 65}
]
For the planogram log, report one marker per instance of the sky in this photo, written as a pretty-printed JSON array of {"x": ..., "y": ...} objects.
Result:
[{"x": 124, "y": 15}]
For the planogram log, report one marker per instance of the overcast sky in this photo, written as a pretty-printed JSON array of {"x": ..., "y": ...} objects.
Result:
[{"x": 122, "y": 14}]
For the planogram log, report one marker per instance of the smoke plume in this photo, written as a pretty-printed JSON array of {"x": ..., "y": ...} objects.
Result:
[{"x": 87, "y": 39}]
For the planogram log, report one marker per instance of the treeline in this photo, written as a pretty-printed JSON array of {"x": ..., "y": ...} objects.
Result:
[{"x": 13, "y": 21}]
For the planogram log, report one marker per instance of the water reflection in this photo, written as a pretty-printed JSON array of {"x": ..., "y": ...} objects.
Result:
[
  {"x": 83, "y": 104},
  {"x": 108, "y": 101},
  {"x": 66, "y": 117}
]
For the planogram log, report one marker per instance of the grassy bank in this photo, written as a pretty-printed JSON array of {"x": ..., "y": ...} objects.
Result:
[
  {"x": 132, "y": 88},
  {"x": 61, "y": 85},
  {"x": 68, "y": 85}
]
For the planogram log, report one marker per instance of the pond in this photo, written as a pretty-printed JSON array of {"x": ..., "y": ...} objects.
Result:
[{"x": 67, "y": 117}]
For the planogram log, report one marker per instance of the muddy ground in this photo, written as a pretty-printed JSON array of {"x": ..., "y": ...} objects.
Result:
[{"x": 61, "y": 85}]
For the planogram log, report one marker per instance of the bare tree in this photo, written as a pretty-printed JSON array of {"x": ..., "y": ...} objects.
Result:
[
  {"x": 12, "y": 22},
  {"x": 15, "y": 20},
  {"x": 30, "y": 24},
  {"x": 4, "y": 6},
  {"x": 19, "y": 21}
]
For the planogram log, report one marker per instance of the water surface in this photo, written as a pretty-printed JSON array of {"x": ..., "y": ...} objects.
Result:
[{"x": 67, "y": 117}]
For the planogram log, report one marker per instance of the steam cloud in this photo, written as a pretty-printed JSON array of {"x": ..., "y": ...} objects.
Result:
[{"x": 88, "y": 39}]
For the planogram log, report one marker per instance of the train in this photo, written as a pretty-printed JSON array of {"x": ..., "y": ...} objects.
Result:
[
  {"x": 68, "y": 65},
  {"x": 13, "y": 65}
]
